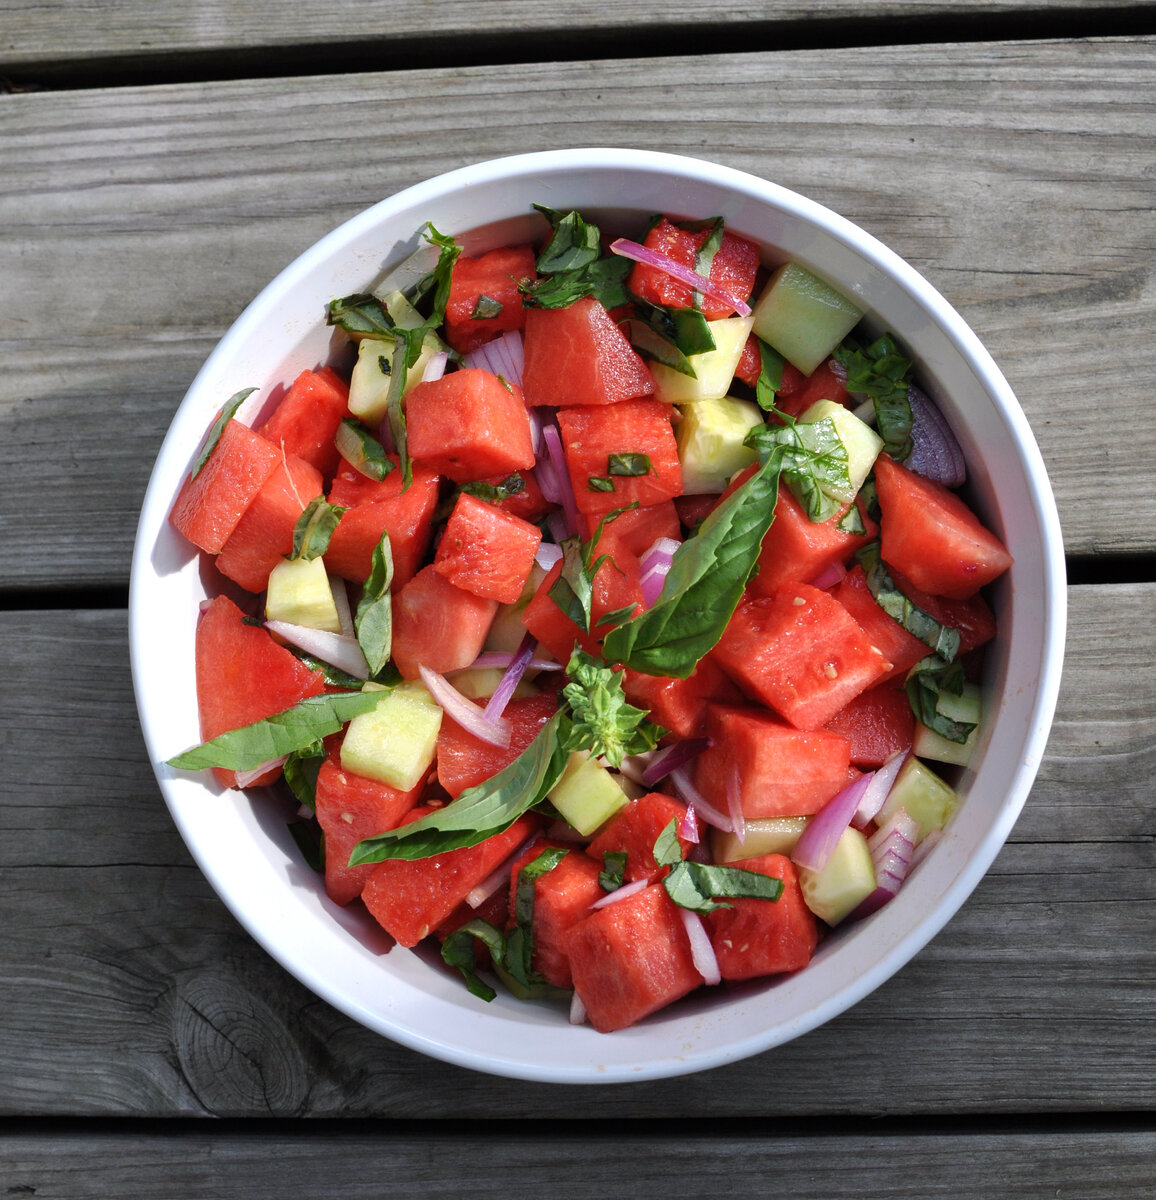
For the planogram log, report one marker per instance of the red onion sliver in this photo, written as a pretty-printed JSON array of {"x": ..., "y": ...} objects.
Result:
[
  {"x": 877, "y": 791},
  {"x": 557, "y": 457},
  {"x": 931, "y": 839},
  {"x": 435, "y": 368},
  {"x": 548, "y": 554},
  {"x": 634, "y": 766},
  {"x": 688, "y": 826},
  {"x": 829, "y": 576},
  {"x": 935, "y": 453},
  {"x": 463, "y": 710},
  {"x": 577, "y": 1010},
  {"x": 340, "y": 592},
  {"x": 667, "y": 759},
  {"x": 496, "y": 705},
  {"x": 246, "y": 779},
  {"x": 334, "y": 648},
  {"x": 481, "y": 892},
  {"x": 735, "y": 804},
  {"x": 704, "y": 810},
  {"x": 655, "y": 564},
  {"x": 701, "y": 950},
  {"x": 501, "y": 659},
  {"x": 891, "y": 852},
  {"x": 502, "y": 355},
  {"x": 817, "y": 842},
  {"x": 662, "y": 262},
  {"x": 623, "y": 893}
]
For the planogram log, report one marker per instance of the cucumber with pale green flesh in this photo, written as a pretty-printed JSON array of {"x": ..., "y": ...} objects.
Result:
[
  {"x": 844, "y": 883},
  {"x": 395, "y": 743},
  {"x": 966, "y": 709},
  {"x": 714, "y": 370},
  {"x": 710, "y": 440},
  {"x": 370, "y": 382},
  {"x": 587, "y": 795},
  {"x": 802, "y": 317},
  {"x": 764, "y": 835},
  {"x": 479, "y": 683},
  {"x": 928, "y": 799},
  {"x": 300, "y": 593},
  {"x": 860, "y": 441}
]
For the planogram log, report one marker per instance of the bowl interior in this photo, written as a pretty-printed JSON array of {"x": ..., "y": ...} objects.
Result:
[{"x": 241, "y": 842}]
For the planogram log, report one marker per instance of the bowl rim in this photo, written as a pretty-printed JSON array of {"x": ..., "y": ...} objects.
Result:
[{"x": 1053, "y": 600}]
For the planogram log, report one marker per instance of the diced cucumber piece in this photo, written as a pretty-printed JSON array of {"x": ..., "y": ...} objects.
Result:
[
  {"x": 764, "y": 835},
  {"x": 395, "y": 742},
  {"x": 299, "y": 592},
  {"x": 860, "y": 441},
  {"x": 506, "y": 629},
  {"x": 844, "y": 883},
  {"x": 929, "y": 800},
  {"x": 479, "y": 683},
  {"x": 967, "y": 709},
  {"x": 369, "y": 383},
  {"x": 587, "y": 795},
  {"x": 710, "y": 442},
  {"x": 802, "y": 317},
  {"x": 713, "y": 369}
]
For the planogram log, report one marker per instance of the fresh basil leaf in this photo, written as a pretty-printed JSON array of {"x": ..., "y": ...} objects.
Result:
[
  {"x": 927, "y": 683},
  {"x": 943, "y": 639},
  {"x": 226, "y": 414},
  {"x": 657, "y": 348},
  {"x": 335, "y": 677},
  {"x": 704, "y": 255},
  {"x": 405, "y": 341},
  {"x": 458, "y": 951},
  {"x": 852, "y": 522},
  {"x": 667, "y": 847},
  {"x": 574, "y": 243},
  {"x": 360, "y": 315},
  {"x": 602, "y": 721},
  {"x": 512, "y": 485},
  {"x": 310, "y": 841},
  {"x": 485, "y": 308},
  {"x": 296, "y": 728},
  {"x": 571, "y": 266},
  {"x": 707, "y": 577},
  {"x": 315, "y": 527},
  {"x": 616, "y": 616},
  {"x": 520, "y": 939},
  {"x": 373, "y": 620},
  {"x": 814, "y": 465},
  {"x": 630, "y": 465},
  {"x": 361, "y": 449},
  {"x": 880, "y": 372},
  {"x": 703, "y": 887},
  {"x": 573, "y": 590},
  {"x": 613, "y": 873},
  {"x": 438, "y": 280},
  {"x": 771, "y": 364},
  {"x": 301, "y": 770},
  {"x": 600, "y": 483},
  {"x": 684, "y": 328},
  {"x": 480, "y": 811}
]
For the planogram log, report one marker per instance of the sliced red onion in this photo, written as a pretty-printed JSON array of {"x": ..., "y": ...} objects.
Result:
[
  {"x": 340, "y": 592},
  {"x": 435, "y": 367},
  {"x": 552, "y": 438},
  {"x": 688, "y": 826},
  {"x": 634, "y": 766},
  {"x": 501, "y": 659},
  {"x": 829, "y": 576},
  {"x": 496, "y": 705},
  {"x": 655, "y": 563},
  {"x": 548, "y": 554},
  {"x": 502, "y": 355},
  {"x": 701, "y": 951},
  {"x": 248, "y": 778},
  {"x": 481, "y": 892},
  {"x": 735, "y": 804},
  {"x": 923, "y": 848},
  {"x": 535, "y": 415},
  {"x": 704, "y": 810},
  {"x": 336, "y": 649},
  {"x": 818, "y": 840},
  {"x": 935, "y": 453},
  {"x": 577, "y": 1010},
  {"x": 662, "y": 262},
  {"x": 559, "y": 527},
  {"x": 463, "y": 710},
  {"x": 891, "y": 850},
  {"x": 670, "y": 757},
  {"x": 623, "y": 893},
  {"x": 877, "y": 790}
]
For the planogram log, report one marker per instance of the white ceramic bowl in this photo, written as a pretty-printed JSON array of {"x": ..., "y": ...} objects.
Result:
[{"x": 241, "y": 842}]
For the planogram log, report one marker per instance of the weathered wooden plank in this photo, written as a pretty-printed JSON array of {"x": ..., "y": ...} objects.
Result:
[
  {"x": 50, "y": 38},
  {"x": 579, "y": 1161},
  {"x": 127, "y": 989},
  {"x": 135, "y": 224}
]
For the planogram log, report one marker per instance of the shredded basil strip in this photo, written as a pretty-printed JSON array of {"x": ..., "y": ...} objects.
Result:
[
  {"x": 880, "y": 372},
  {"x": 600, "y": 483},
  {"x": 943, "y": 639},
  {"x": 698, "y": 886},
  {"x": 571, "y": 266},
  {"x": 315, "y": 527},
  {"x": 310, "y": 841},
  {"x": 495, "y": 493},
  {"x": 573, "y": 590},
  {"x": 684, "y": 328},
  {"x": 458, "y": 951},
  {"x": 927, "y": 681},
  {"x": 361, "y": 449},
  {"x": 520, "y": 939},
  {"x": 373, "y": 620},
  {"x": 286, "y": 732},
  {"x": 613, "y": 873},
  {"x": 226, "y": 414},
  {"x": 704, "y": 255},
  {"x": 301, "y": 770},
  {"x": 667, "y": 847},
  {"x": 814, "y": 464},
  {"x": 630, "y": 465},
  {"x": 771, "y": 364},
  {"x": 486, "y": 307}
]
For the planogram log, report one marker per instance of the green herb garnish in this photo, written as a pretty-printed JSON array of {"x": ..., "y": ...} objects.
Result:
[
  {"x": 314, "y": 528},
  {"x": 943, "y": 639},
  {"x": 361, "y": 449},
  {"x": 703, "y": 887},
  {"x": 571, "y": 266},
  {"x": 226, "y": 414},
  {"x": 928, "y": 682},
  {"x": 373, "y": 620},
  {"x": 880, "y": 372}
]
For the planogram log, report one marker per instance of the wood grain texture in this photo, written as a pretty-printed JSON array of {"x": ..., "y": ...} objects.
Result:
[
  {"x": 136, "y": 224},
  {"x": 580, "y": 1162},
  {"x": 127, "y": 989}
]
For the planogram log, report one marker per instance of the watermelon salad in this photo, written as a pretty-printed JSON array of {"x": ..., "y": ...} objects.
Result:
[{"x": 610, "y": 614}]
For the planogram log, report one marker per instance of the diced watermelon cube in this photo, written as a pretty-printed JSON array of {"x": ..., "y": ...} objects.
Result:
[
  {"x": 350, "y": 808},
  {"x": 878, "y": 723},
  {"x": 464, "y": 760},
  {"x": 753, "y": 937},
  {"x": 902, "y": 649},
  {"x": 799, "y": 652},
  {"x": 438, "y": 625},
  {"x": 305, "y": 420},
  {"x": 487, "y": 551},
  {"x": 469, "y": 424},
  {"x": 243, "y": 676},
  {"x": 931, "y": 536},
  {"x": 635, "y": 829},
  {"x": 264, "y": 534},
  {"x": 411, "y": 899},
  {"x": 779, "y": 771},
  {"x": 208, "y": 508},
  {"x": 630, "y": 959},
  {"x": 972, "y": 617},
  {"x": 529, "y": 503},
  {"x": 680, "y": 705},
  {"x": 591, "y": 435},
  {"x": 578, "y": 355},
  {"x": 636, "y": 529},
  {"x": 493, "y": 277}
]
